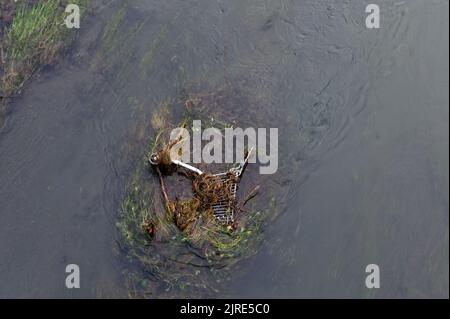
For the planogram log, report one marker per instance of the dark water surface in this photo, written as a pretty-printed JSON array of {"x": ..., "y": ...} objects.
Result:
[{"x": 367, "y": 125}]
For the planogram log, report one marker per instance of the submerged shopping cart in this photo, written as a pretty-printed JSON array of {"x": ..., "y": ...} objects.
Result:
[{"x": 224, "y": 207}]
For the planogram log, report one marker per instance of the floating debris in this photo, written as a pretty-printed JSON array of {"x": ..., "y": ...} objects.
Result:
[{"x": 177, "y": 219}]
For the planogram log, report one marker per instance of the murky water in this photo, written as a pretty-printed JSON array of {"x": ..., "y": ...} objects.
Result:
[{"x": 363, "y": 116}]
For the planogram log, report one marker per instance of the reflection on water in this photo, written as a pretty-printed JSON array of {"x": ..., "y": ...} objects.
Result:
[{"x": 362, "y": 114}]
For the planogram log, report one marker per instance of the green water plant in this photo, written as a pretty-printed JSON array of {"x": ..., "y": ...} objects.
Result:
[
  {"x": 34, "y": 39},
  {"x": 177, "y": 245}
]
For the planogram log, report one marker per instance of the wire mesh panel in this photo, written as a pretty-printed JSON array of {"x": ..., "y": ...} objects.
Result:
[{"x": 224, "y": 208}]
